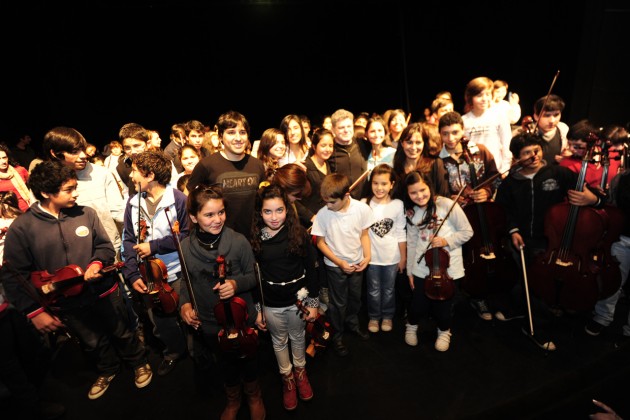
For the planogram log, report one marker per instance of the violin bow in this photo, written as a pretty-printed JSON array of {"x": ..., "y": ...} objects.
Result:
[
  {"x": 529, "y": 306},
  {"x": 553, "y": 82},
  {"x": 262, "y": 296},
  {"x": 443, "y": 220},
  {"x": 182, "y": 261}
]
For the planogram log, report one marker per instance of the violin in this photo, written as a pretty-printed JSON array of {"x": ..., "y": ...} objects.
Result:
[
  {"x": 566, "y": 274},
  {"x": 235, "y": 336},
  {"x": 438, "y": 284},
  {"x": 318, "y": 333},
  {"x": 161, "y": 295},
  {"x": 65, "y": 282},
  {"x": 487, "y": 259}
]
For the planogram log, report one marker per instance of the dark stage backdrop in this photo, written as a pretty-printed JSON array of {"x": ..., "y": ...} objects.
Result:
[{"x": 98, "y": 65}]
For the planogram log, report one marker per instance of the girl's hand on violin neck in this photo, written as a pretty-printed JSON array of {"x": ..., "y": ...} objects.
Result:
[
  {"x": 143, "y": 249},
  {"x": 45, "y": 323},
  {"x": 227, "y": 289},
  {"x": 312, "y": 315},
  {"x": 438, "y": 242},
  {"x": 139, "y": 286},
  {"x": 189, "y": 315},
  {"x": 260, "y": 323}
]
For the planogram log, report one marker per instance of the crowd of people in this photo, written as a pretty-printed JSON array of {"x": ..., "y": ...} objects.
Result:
[{"x": 305, "y": 216}]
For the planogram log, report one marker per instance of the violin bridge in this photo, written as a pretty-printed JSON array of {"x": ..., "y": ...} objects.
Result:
[
  {"x": 489, "y": 256},
  {"x": 48, "y": 288}
]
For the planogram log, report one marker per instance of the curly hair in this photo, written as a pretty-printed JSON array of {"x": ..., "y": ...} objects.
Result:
[
  {"x": 297, "y": 233},
  {"x": 48, "y": 177}
]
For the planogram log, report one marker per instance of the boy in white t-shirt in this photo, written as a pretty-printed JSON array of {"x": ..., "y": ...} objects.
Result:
[{"x": 341, "y": 228}]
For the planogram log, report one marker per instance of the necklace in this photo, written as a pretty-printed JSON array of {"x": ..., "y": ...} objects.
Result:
[{"x": 210, "y": 245}]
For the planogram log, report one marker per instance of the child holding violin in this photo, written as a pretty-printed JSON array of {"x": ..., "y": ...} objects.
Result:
[
  {"x": 52, "y": 235},
  {"x": 150, "y": 253},
  {"x": 468, "y": 168},
  {"x": 210, "y": 239},
  {"x": 287, "y": 260},
  {"x": 437, "y": 227}
]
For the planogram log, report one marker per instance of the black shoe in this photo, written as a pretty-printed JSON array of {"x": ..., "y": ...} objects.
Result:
[
  {"x": 540, "y": 339},
  {"x": 166, "y": 366},
  {"x": 51, "y": 410},
  {"x": 363, "y": 335},
  {"x": 340, "y": 348},
  {"x": 593, "y": 328}
]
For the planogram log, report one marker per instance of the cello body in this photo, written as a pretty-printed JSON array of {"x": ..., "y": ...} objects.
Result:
[
  {"x": 568, "y": 273},
  {"x": 565, "y": 275},
  {"x": 487, "y": 258}
]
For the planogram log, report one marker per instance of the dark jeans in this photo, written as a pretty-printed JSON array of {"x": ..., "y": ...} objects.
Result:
[
  {"x": 104, "y": 332},
  {"x": 344, "y": 292}
]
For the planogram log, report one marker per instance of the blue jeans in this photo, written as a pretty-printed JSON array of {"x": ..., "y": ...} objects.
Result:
[
  {"x": 285, "y": 324},
  {"x": 381, "y": 300},
  {"x": 604, "y": 311},
  {"x": 344, "y": 291}
]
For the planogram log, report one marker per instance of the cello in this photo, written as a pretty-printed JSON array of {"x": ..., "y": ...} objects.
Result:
[
  {"x": 608, "y": 265},
  {"x": 160, "y": 294},
  {"x": 235, "y": 336},
  {"x": 487, "y": 259},
  {"x": 565, "y": 275}
]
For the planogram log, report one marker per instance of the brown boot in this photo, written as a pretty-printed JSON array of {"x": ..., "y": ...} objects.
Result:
[
  {"x": 233, "y": 404},
  {"x": 255, "y": 401}
]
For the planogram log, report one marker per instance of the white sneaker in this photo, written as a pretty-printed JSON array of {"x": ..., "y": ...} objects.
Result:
[
  {"x": 373, "y": 326},
  {"x": 443, "y": 340},
  {"x": 411, "y": 334}
]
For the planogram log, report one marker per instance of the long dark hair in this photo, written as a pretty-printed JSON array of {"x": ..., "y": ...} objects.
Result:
[
  {"x": 297, "y": 233},
  {"x": 412, "y": 178}
]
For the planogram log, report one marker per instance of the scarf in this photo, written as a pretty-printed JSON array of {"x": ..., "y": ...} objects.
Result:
[{"x": 19, "y": 185}]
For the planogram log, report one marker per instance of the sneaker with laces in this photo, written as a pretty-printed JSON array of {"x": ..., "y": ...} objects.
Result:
[
  {"x": 373, "y": 326},
  {"x": 481, "y": 306},
  {"x": 386, "y": 325},
  {"x": 594, "y": 328},
  {"x": 411, "y": 334},
  {"x": 143, "y": 375},
  {"x": 443, "y": 340},
  {"x": 100, "y": 386}
]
